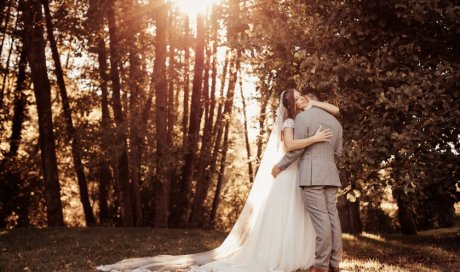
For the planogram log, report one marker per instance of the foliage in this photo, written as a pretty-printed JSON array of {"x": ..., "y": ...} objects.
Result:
[{"x": 393, "y": 68}]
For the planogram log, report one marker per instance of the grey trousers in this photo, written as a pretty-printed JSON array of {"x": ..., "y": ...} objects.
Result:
[{"x": 321, "y": 203}]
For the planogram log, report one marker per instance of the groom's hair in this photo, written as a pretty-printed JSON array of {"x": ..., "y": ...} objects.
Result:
[{"x": 308, "y": 91}]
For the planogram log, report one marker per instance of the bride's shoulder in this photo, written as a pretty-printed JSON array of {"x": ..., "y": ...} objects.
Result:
[{"x": 289, "y": 122}]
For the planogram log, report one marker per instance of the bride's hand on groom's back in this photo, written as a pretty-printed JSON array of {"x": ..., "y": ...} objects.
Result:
[{"x": 276, "y": 170}]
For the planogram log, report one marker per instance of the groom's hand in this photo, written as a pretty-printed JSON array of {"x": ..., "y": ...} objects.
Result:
[{"x": 276, "y": 170}]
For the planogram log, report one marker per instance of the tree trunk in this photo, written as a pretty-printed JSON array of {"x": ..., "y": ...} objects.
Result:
[
  {"x": 202, "y": 184},
  {"x": 246, "y": 136},
  {"x": 136, "y": 138},
  {"x": 222, "y": 115},
  {"x": 105, "y": 176},
  {"x": 265, "y": 97},
  {"x": 220, "y": 179},
  {"x": 350, "y": 219},
  {"x": 405, "y": 213},
  {"x": 35, "y": 48},
  {"x": 171, "y": 76},
  {"x": 20, "y": 102},
  {"x": 123, "y": 164},
  {"x": 175, "y": 182},
  {"x": 221, "y": 94},
  {"x": 223, "y": 128},
  {"x": 405, "y": 210},
  {"x": 186, "y": 82},
  {"x": 74, "y": 139},
  {"x": 162, "y": 182},
  {"x": 182, "y": 211}
]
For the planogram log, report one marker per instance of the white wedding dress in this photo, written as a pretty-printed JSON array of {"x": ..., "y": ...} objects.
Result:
[{"x": 272, "y": 233}]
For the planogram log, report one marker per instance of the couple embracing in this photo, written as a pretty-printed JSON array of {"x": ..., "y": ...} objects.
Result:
[{"x": 290, "y": 219}]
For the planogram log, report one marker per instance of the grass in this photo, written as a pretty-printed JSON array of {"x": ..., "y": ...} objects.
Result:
[{"x": 81, "y": 249}]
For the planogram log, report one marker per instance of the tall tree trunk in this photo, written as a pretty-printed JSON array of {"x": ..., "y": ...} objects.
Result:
[
  {"x": 202, "y": 184},
  {"x": 186, "y": 81},
  {"x": 162, "y": 182},
  {"x": 246, "y": 133},
  {"x": 123, "y": 164},
  {"x": 35, "y": 48},
  {"x": 220, "y": 179},
  {"x": 171, "y": 76},
  {"x": 221, "y": 93},
  {"x": 172, "y": 115},
  {"x": 19, "y": 114},
  {"x": 265, "y": 97},
  {"x": 74, "y": 139},
  {"x": 212, "y": 105},
  {"x": 223, "y": 129},
  {"x": 350, "y": 219},
  {"x": 221, "y": 117},
  {"x": 105, "y": 175},
  {"x": 20, "y": 102},
  {"x": 405, "y": 213},
  {"x": 405, "y": 210},
  {"x": 182, "y": 211},
  {"x": 203, "y": 176},
  {"x": 136, "y": 139},
  {"x": 96, "y": 15},
  {"x": 175, "y": 182}
]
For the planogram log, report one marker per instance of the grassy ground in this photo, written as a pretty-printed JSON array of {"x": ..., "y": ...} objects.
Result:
[{"x": 81, "y": 249}]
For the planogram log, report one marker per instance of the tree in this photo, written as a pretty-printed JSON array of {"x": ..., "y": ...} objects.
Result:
[
  {"x": 123, "y": 164},
  {"x": 182, "y": 211},
  {"x": 35, "y": 48},
  {"x": 389, "y": 62},
  {"x": 72, "y": 134},
  {"x": 162, "y": 181}
]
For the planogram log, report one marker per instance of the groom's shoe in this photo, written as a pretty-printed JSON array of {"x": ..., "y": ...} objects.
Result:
[
  {"x": 334, "y": 269},
  {"x": 315, "y": 269}
]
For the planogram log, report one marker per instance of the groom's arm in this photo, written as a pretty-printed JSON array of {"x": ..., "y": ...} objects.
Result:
[{"x": 300, "y": 132}]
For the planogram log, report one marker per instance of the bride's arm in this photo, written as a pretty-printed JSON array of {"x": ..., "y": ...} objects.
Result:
[
  {"x": 332, "y": 109},
  {"x": 293, "y": 144}
]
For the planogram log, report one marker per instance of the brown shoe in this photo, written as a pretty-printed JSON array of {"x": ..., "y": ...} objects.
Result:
[
  {"x": 334, "y": 269},
  {"x": 316, "y": 269}
]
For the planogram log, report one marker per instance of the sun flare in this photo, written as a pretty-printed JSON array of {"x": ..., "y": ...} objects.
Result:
[{"x": 194, "y": 7}]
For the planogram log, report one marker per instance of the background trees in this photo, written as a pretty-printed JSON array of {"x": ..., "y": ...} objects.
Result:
[
  {"x": 393, "y": 70},
  {"x": 142, "y": 107}
]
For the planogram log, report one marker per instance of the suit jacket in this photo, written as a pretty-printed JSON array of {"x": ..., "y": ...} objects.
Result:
[{"x": 317, "y": 162}]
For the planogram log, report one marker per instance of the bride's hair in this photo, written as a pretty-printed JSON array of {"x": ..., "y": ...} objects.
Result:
[{"x": 289, "y": 103}]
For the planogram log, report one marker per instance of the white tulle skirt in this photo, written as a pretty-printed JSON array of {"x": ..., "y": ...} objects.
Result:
[
  {"x": 283, "y": 237},
  {"x": 273, "y": 233}
]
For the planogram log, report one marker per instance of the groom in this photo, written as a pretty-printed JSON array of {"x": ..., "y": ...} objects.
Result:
[{"x": 319, "y": 181}]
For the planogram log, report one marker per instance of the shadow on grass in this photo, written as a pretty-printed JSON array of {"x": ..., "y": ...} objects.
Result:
[
  {"x": 369, "y": 252},
  {"x": 81, "y": 249}
]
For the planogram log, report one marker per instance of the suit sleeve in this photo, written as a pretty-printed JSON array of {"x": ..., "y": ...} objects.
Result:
[
  {"x": 339, "y": 145},
  {"x": 300, "y": 132}
]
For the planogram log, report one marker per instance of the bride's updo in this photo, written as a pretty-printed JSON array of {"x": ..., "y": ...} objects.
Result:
[{"x": 289, "y": 103}]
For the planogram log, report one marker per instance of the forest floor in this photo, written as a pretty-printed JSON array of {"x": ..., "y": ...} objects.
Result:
[{"x": 81, "y": 249}]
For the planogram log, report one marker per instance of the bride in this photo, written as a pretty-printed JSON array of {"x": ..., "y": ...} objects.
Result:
[{"x": 273, "y": 231}]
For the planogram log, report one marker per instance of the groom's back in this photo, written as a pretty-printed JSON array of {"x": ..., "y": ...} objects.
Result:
[{"x": 319, "y": 159}]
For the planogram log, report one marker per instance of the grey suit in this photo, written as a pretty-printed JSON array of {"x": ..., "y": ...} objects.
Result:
[{"x": 319, "y": 180}]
